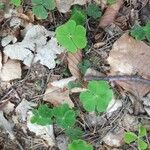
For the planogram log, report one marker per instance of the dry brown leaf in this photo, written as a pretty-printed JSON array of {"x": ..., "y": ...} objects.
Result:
[
  {"x": 10, "y": 70},
  {"x": 129, "y": 57},
  {"x": 57, "y": 93},
  {"x": 113, "y": 9},
  {"x": 73, "y": 60}
]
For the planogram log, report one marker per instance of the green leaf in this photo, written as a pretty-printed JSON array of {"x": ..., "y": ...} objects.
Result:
[
  {"x": 42, "y": 115},
  {"x": 2, "y": 5},
  {"x": 147, "y": 30},
  {"x": 84, "y": 65},
  {"x": 65, "y": 117},
  {"x": 78, "y": 15},
  {"x": 40, "y": 11},
  {"x": 71, "y": 36},
  {"x": 138, "y": 32},
  {"x": 37, "y": 2},
  {"x": 110, "y": 2},
  {"x": 73, "y": 84},
  {"x": 16, "y": 2},
  {"x": 94, "y": 11},
  {"x": 142, "y": 145},
  {"x": 130, "y": 137},
  {"x": 97, "y": 97},
  {"x": 79, "y": 145},
  {"x": 49, "y": 4},
  {"x": 142, "y": 131},
  {"x": 74, "y": 133}
]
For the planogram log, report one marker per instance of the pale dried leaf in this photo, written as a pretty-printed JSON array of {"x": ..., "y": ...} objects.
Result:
[
  {"x": 22, "y": 109},
  {"x": 35, "y": 40},
  {"x": 0, "y": 59},
  {"x": 44, "y": 132},
  {"x": 64, "y": 5},
  {"x": 129, "y": 57},
  {"x": 57, "y": 93},
  {"x": 73, "y": 60},
  {"x": 6, "y": 40},
  {"x": 6, "y": 125},
  {"x": 11, "y": 70},
  {"x": 9, "y": 107}
]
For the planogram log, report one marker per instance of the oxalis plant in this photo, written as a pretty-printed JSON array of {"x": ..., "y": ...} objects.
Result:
[{"x": 130, "y": 137}]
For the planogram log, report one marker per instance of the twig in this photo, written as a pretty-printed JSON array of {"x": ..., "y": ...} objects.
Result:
[{"x": 134, "y": 78}]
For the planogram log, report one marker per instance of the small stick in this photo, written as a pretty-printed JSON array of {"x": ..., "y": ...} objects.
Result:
[{"x": 134, "y": 78}]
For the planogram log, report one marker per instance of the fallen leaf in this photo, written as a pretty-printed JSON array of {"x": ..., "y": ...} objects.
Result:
[
  {"x": 73, "y": 60},
  {"x": 44, "y": 132},
  {"x": 6, "y": 125},
  {"x": 6, "y": 40},
  {"x": 113, "y": 9},
  {"x": 129, "y": 57},
  {"x": 10, "y": 70},
  {"x": 57, "y": 93},
  {"x": 35, "y": 41},
  {"x": 22, "y": 109},
  {"x": 64, "y": 5}
]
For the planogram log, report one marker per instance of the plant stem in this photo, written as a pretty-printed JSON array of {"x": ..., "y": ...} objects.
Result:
[{"x": 134, "y": 78}]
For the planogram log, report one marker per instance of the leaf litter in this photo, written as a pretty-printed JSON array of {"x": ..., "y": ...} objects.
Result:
[{"x": 37, "y": 44}]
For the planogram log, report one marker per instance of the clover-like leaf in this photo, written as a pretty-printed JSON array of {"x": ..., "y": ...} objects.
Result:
[
  {"x": 142, "y": 131},
  {"x": 142, "y": 145},
  {"x": 16, "y": 2},
  {"x": 130, "y": 137},
  {"x": 78, "y": 15},
  {"x": 42, "y": 115},
  {"x": 49, "y": 4},
  {"x": 94, "y": 11},
  {"x": 97, "y": 97},
  {"x": 147, "y": 30},
  {"x": 40, "y": 11},
  {"x": 71, "y": 36},
  {"x": 138, "y": 32},
  {"x": 65, "y": 117},
  {"x": 74, "y": 133},
  {"x": 79, "y": 145}
]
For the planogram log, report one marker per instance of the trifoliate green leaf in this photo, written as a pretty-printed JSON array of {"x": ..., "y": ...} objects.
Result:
[
  {"x": 65, "y": 117},
  {"x": 130, "y": 137},
  {"x": 138, "y": 32},
  {"x": 78, "y": 15},
  {"x": 147, "y": 30},
  {"x": 97, "y": 96},
  {"x": 71, "y": 36},
  {"x": 94, "y": 11},
  {"x": 37, "y": 2},
  {"x": 49, "y": 4},
  {"x": 42, "y": 115},
  {"x": 40, "y": 11},
  {"x": 142, "y": 131},
  {"x": 84, "y": 65},
  {"x": 74, "y": 133},
  {"x": 142, "y": 145},
  {"x": 110, "y": 2},
  {"x": 79, "y": 145},
  {"x": 2, "y": 5},
  {"x": 16, "y": 2}
]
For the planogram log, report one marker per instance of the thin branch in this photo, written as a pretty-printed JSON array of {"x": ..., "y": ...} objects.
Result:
[{"x": 134, "y": 78}]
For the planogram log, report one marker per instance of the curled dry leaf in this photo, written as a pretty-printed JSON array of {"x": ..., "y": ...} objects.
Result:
[
  {"x": 129, "y": 57},
  {"x": 113, "y": 9},
  {"x": 73, "y": 60},
  {"x": 57, "y": 93}
]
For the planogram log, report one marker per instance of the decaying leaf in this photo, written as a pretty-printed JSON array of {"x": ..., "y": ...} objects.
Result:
[
  {"x": 73, "y": 60},
  {"x": 44, "y": 132},
  {"x": 57, "y": 93},
  {"x": 110, "y": 14},
  {"x": 35, "y": 41},
  {"x": 64, "y": 5},
  {"x": 23, "y": 108},
  {"x": 4, "y": 123},
  {"x": 129, "y": 57}
]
